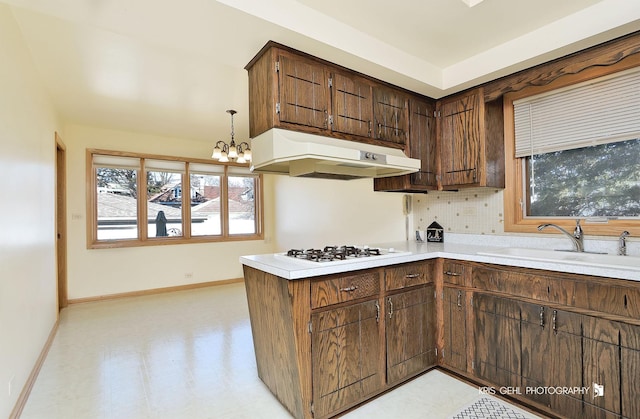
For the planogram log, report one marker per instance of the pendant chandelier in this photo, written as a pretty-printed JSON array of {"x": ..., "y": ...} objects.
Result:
[{"x": 224, "y": 152}]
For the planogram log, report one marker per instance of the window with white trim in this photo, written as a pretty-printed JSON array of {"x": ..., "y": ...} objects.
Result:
[
  {"x": 580, "y": 149},
  {"x": 138, "y": 200}
]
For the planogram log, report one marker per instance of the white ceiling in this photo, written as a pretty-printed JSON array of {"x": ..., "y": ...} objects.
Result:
[{"x": 173, "y": 67}]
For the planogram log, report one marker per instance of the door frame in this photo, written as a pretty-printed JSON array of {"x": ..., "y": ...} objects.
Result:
[{"x": 61, "y": 222}]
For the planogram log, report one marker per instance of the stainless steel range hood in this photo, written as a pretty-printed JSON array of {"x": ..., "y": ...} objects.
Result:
[{"x": 307, "y": 155}]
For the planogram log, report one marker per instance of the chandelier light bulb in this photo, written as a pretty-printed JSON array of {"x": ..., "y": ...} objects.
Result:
[{"x": 224, "y": 152}]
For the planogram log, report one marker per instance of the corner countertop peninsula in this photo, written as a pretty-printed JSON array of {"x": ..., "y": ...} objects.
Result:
[
  {"x": 465, "y": 247},
  {"x": 329, "y": 336}
]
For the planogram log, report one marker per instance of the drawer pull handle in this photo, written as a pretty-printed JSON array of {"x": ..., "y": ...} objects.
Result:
[
  {"x": 377, "y": 312},
  {"x": 542, "y": 317},
  {"x": 390, "y": 307},
  {"x": 411, "y": 276},
  {"x": 349, "y": 289},
  {"x": 449, "y": 273},
  {"x": 459, "y": 298},
  {"x": 554, "y": 320}
]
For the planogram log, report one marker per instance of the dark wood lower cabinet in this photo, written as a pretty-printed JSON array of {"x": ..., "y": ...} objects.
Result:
[
  {"x": 345, "y": 351},
  {"x": 323, "y": 345},
  {"x": 454, "y": 351},
  {"x": 497, "y": 340},
  {"x": 601, "y": 359},
  {"x": 551, "y": 348},
  {"x": 611, "y": 357},
  {"x": 630, "y": 379},
  {"x": 410, "y": 333}
]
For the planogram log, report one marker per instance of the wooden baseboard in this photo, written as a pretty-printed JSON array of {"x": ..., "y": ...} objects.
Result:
[
  {"x": 154, "y": 291},
  {"x": 26, "y": 390}
]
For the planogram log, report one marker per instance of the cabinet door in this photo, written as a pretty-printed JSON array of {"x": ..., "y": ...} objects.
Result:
[
  {"x": 454, "y": 351},
  {"x": 497, "y": 332},
  {"x": 352, "y": 105},
  {"x": 390, "y": 115},
  {"x": 551, "y": 344},
  {"x": 303, "y": 92},
  {"x": 410, "y": 330},
  {"x": 601, "y": 359},
  {"x": 422, "y": 142},
  {"x": 630, "y": 373},
  {"x": 346, "y": 345},
  {"x": 460, "y": 140}
]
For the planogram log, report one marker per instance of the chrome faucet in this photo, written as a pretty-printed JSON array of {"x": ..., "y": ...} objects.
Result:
[
  {"x": 577, "y": 238},
  {"x": 622, "y": 243}
]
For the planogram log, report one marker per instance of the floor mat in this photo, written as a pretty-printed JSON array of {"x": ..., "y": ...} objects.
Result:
[{"x": 487, "y": 408}]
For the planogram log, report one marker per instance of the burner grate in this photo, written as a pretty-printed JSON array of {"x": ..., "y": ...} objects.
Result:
[{"x": 332, "y": 253}]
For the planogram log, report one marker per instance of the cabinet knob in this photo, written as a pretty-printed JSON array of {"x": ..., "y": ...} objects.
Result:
[{"x": 349, "y": 289}]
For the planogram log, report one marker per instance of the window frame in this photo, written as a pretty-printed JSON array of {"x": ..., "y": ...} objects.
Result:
[
  {"x": 515, "y": 195},
  {"x": 186, "y": 238}
]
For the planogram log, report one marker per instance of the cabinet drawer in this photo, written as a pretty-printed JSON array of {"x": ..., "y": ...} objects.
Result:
[
  {"x": 516, "y": 284},
  {"x": 455, "y": 273},
  {"x": 344, "y": 288},
  {"x": 618, "y": 300},
  {"x": 408, "y": 275}
]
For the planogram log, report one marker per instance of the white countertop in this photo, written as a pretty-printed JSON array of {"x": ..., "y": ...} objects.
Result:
[{"x": 291, "y": 268}]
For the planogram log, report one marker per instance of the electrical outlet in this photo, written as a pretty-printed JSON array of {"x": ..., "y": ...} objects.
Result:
[{"x": 188, "y": 275}]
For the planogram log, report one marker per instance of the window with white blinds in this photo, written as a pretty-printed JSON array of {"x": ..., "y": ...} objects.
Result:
[{"x": 600, "y": 111}]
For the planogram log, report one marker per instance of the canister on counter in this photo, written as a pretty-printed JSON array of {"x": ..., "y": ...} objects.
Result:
[{"x": 435, "y": 233}]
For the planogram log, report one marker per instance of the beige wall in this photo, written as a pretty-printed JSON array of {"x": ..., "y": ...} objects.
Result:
[
  {"x": 318, "y": 212},
  {"x": 96, "y": 272},
  {"x": 28, "y": 299},
  {"x": 298, "y": 213}
]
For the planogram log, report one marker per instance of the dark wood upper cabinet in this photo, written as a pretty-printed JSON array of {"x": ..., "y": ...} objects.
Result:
[
  {"x": 422, "y": 145},
  {"x": 352, "y": 105},
  {"x": 460, "y": 139},
  {"x": 463, "y": 147},
  {"x": 471, "y": 141},
  {"x": 292, "y": 90},
  {"x": 460, "y": 145},
  {"x": 303, "y": 92},
  {"x": 390, "y": 115}
]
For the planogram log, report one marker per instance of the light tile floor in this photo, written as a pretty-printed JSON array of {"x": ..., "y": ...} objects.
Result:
[{"x": 187, "y": 354}]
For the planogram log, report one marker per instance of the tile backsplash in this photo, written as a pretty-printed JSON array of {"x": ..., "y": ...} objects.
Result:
[
  {"x": 472, "y": 211},
  {"x": 471, "y": 214}
]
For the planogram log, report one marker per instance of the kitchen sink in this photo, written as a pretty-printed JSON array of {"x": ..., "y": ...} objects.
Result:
[{"x": 560, "y": 256}]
